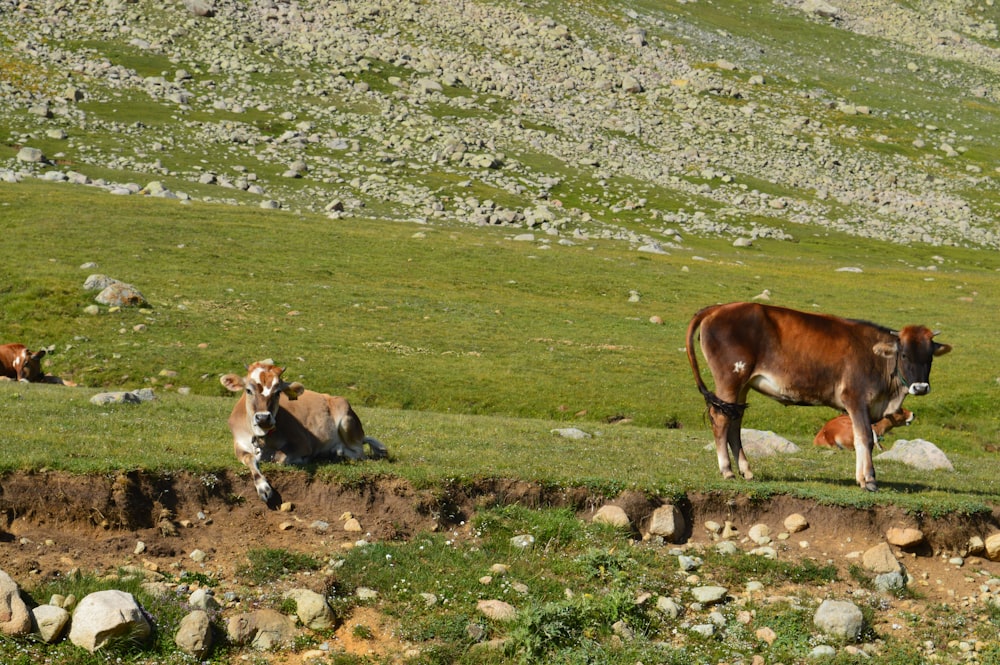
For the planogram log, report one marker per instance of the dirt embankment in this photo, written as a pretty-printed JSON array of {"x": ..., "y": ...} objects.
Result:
[{"x": 52, "y": 522}]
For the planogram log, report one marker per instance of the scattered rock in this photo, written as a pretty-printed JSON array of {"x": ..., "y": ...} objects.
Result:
[
  {"x": 919, "y": 454},
  {"x": 49, "y": 622},
  {"x": 612, "y": 515},
  {"x": 795, "y": 523},
  {"x": 906, "y": 538},
  {"x": 668, "y": 523},
  {"x": 709, "y": 595},
  {"x": 880, "y": 559},
  {"x": 840, "y": 619},
  {"x": 263, "y": 630},
  {"x": 15, "y": 619},
  {"x": 312, "y": 609},
  {"x": 194, "y": 634},
  {"x": 497, "y": 610},
  {"x": 105, "y": 616}
]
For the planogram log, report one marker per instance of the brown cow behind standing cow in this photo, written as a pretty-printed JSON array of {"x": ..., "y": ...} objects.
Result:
[{"x": 839, "y": 432}]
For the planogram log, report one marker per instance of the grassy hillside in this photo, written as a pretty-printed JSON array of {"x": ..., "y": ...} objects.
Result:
[{"x": 462, "y": 348}]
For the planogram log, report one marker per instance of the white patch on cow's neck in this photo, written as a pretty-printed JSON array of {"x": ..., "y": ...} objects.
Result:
[{"x": 739, "y": 367}]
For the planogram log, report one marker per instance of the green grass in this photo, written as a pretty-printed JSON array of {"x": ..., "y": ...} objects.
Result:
[{"x": 461, "y": 349}]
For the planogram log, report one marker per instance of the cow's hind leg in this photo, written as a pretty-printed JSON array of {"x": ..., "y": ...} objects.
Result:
[
  {"x": 726, "y": 429},
  {"x": 735, "y": 441}
]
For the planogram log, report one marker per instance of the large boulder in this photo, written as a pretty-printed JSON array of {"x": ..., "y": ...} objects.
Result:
[
  {"x": 15, "y": 619},
  {"x": 105, "y": 617}
]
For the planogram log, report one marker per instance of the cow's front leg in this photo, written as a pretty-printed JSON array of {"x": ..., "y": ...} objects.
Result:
[
  {"x": 736, "y": 446},
  {"x": 864, "y": 444},
  {"x": 251, "y": 460}
]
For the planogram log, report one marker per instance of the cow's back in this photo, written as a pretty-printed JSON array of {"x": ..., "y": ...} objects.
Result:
[{"x": 310, "y": 426}]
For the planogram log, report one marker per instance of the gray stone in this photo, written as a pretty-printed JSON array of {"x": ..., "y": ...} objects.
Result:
[
  {"x": 49, "y": 622},
  {"x": 523, "y": 542},
  {"x": 194, "y": 634},
  {"x": 571, "y": 433},
  {"x": 30, "y": 155},
  {"x": 203, "y": 599},
  {"x": 15, "y": 619},
  {"x": 919, "y": 454},
  {"x": 263, "y": 629},
  {"x": 98, "y": 282},
  {"x": 688, "y": 563},
  {"x": 312, "y": 609},
  {"x": 840, "y": 619},
  {"x": 762, "y": 444},
  {"x": 888, "y": 582},
  {"x": 668, "y": 606},
  {"x": 709, "y": 595},
  {"x": 121, "y": 294},
  {"x": 103, "y": 617}
]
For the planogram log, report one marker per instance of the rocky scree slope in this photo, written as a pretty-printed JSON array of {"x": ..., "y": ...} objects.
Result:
[{"x": 635, "y": 121}]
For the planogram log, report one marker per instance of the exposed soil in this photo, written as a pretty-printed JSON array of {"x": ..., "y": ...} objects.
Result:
[{"x": 52, "y": 522}]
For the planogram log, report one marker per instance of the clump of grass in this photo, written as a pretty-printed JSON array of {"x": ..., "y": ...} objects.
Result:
[
  {"x": 737, "y": 569},
  {"x": 268, "y": 565}
]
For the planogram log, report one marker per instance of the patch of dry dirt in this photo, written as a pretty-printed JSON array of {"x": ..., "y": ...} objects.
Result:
[{"x": 52, "y": 522}]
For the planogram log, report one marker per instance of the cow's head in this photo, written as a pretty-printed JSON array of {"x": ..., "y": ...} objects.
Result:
[
  {"x": 914, "y": 349},
  {"x": 262, "y": 388},
  {"x": 28, "y": 365}
]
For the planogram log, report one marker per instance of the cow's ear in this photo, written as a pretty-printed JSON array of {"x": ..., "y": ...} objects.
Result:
[
  {"x": 232, "y": 382},
  {"x": 38, "y": 355},
  {"x": 886, "y": 349},
  {"x": 293, "y": 390},
  {"x": 941, "y": 349}
]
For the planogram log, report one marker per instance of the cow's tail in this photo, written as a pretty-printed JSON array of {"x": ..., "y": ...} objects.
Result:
[{"x": 730, "y": 409}]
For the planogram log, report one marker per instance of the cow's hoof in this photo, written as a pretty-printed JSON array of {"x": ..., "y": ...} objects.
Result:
[
  {"x": 748, "y": 475},
  {"x": 871, "y": 486},
  {"x": 265, "y": 493},
  {"x": 728, "y": 475}
]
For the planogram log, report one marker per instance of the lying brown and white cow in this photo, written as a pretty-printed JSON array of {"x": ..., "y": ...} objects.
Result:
[
  {"x": 19, "y": 364},
  {"x": 806, "y": 359},
  {"x": 839, "y": 432},
  {"x": 276, "y": 421}
]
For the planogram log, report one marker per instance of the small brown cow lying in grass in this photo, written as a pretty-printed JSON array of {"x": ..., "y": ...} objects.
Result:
[
  {"x": 276, "y": 421},
  {"x": 839, "y": 433},
  {"x": 17, "y": 363}
]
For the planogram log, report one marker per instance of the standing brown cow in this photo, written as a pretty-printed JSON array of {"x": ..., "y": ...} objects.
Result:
[
  {"x": 20, "y": 364},
  {"x": 806, "y": 359},
  {"x": 276, "y": 421}
]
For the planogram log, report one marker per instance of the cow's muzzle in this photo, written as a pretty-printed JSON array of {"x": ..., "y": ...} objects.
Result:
[
  {"x": 264, "y": 421},
  {"x": 919, "y": 388}
]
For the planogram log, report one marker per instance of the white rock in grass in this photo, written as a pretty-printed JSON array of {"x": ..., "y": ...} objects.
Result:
[
  {"x": 107, "y": 616},
  {"x": 839, "y": 618},
  {"x": 496, "y": 610},
  {"x": 49, "y": 622},
  {"x": 612, "y": 515},
  {"x": 919, "y": 454}
]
